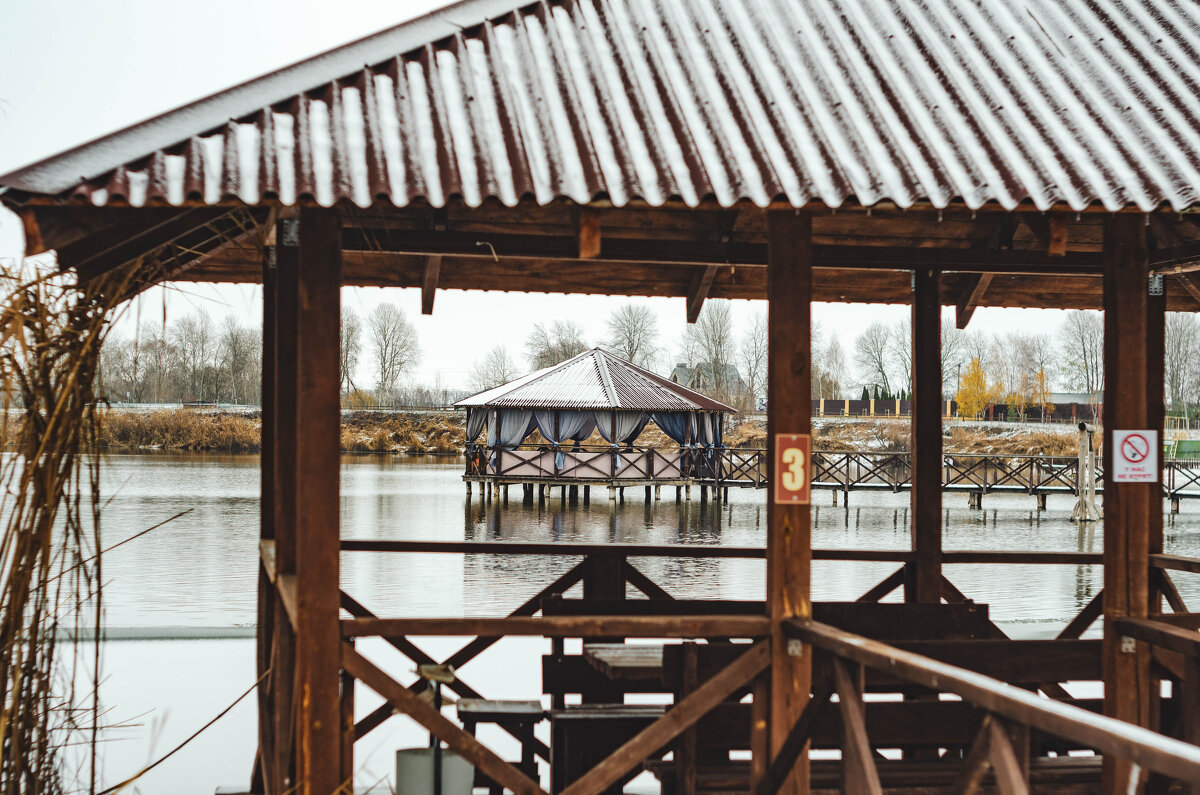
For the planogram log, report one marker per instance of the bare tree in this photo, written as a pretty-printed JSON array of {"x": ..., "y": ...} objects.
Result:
[
  {"x": 546, "y": 347},
  {"x": 394, "y": 344},
  {"x": 871, "y": 352},
  {"x": 633, "y": 334},
  {"x": 494, "y": 369},
  {"x": 1082, "y": 341},
  {"x": 708, "y": 344},
  {"x": 953, "y": 347},
  {"x": 240, "y": 362},
  {"x": 351, "y": 347},
  {"x": 193, "y": 338},
  {"x": 753, "y": 352},
  {"x": 1182, "y": 352},
  {"x": 830, "y": 376},
  {"x": 899, "y": 354}
]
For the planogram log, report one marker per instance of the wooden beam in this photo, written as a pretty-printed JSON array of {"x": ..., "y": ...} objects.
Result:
[
  {"x": 789, "y": 528},
  {"x": 970, "y": 298},
  {"x": 858, "y": 763},
  {"x": 429, "y": 283},
  {"x": 1115, "y": 738},
  {"x": 466, "y": 746},
  {"x": 1190, "y": 283},
  {"x": 318, "y": 430},
  {"x": 676, "y": 720},
  {"x": 564, "y": 626},
  {"x": 279, "y": 495},
  {"x": 587, "y": 233},
  {"x": 926, "y": 444},
  {"x": 1056, "y": 244},
  {"x": 797, "y": 740},
  {"x": 1010, "y": 778},
  {"x": 1127, "y": 506},
  {"x": 698, "y": 292}
]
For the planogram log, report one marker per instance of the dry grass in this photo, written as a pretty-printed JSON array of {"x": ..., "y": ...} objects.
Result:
[
  {"x": 182, "y": 429},
  {"x": 362, "y": 432}
]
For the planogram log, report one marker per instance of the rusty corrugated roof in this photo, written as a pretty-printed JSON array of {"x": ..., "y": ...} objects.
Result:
[
  {"x": 1051, "y": 101},
  {"x": 597, "y": 380}
]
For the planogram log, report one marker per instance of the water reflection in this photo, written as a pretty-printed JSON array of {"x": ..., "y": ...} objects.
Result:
[{"x": 200, "y": 570}]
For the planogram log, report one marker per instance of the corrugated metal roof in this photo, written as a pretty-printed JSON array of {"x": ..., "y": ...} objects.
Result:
[
  {"x": 598, "y": 380},
  {"x": 1052, "y": 101}
]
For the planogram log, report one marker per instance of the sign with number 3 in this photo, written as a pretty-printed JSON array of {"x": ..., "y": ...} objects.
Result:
[{"x": 793, "y": 468}]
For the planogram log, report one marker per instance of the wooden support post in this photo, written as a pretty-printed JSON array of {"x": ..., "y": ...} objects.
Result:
[
  {"x": 789, "y": 532},
  {"x": 926, "y": 444},
  {"x": 317, "y": 430},
  {"x": 1128, "y": 507},
  {"x": 263, "y": 778},
  {"x": 587, "y": 494},
  {"x": 282, "y": 505}
]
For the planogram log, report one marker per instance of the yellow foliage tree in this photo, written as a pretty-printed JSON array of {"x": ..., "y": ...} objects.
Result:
[
  {"x": 974, "y": 391},
  {"x": 1041, "y": 394}
]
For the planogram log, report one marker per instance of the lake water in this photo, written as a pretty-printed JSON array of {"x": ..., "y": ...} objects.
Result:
[{"x": 180, "y": 601}]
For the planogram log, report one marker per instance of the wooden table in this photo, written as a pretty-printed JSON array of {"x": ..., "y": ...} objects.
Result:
[{"x": 623, "y": 662}]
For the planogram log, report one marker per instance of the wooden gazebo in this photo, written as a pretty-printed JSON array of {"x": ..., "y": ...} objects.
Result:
[
  {"x": 595, "y": 392},
  {"x": 964, "y": 154}
]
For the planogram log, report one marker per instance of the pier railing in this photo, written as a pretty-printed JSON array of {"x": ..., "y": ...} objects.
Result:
[
  {"x": 1006, "y": 707},
  {"x": 831, "y": 469},
  {"x": 998, "y": 677}
]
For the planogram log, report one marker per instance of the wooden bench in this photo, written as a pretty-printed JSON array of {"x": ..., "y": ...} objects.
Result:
[
  {"x": 582, "y": 736},
  {"x": 518, "y": 716}
]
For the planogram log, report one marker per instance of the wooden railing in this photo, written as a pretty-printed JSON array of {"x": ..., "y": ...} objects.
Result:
[
  {"x": 1003, "y": 704},
  {"x": 831, "y": 469}
]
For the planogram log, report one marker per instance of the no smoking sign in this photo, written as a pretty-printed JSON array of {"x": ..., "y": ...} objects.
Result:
[{"x": 1135, "y": 456}]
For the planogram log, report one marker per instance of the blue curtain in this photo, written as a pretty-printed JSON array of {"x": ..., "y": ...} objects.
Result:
[
  {"x": 475, "y": 421},
  {"x": 514, "y": 426},
  {"x": 673, "y": 424}
]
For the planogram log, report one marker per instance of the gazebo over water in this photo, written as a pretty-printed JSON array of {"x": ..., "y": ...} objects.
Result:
[{"x": 594, "y": 392}]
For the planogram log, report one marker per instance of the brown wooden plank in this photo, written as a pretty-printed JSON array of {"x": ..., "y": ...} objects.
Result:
[
  {"x": 972, "y": 294},
  {"x": 318, "y": 457},
  {"x": 1127, "y": 506},
  {"x": 458, "y": 740},
  {"x": 282, "y": 496},
  {"x": 587, "y": 235},
  {"x": 858, "y": 763},
  {"x": 684, "y": 714},
  {"x": 429, "y": 283},
  {"x": 925, "y": 513},
  {"x": 701, "y": 284},
  {"x": 1010, "y": 779},
  {"x": 789, "y": 528},
  {"x": 649, "y": 587},
  {"x": 373, "y": 720},
  {"x": 884, "y": 586},
  {"x": 266, "y": 553},
  {"x": 565, "y": 626},
  {"x": 975, "y": 766},
  {"x": 1113, "y": 737},
  {"x": 1159, "y": 633},
  {"x": 1176, "y": 563},
  {"x": 1090, "y": 612},
  {"x": 796, "y": 744},
  {"x": 1166, "y": 586},
  {"x": 1056, "y": 243}
]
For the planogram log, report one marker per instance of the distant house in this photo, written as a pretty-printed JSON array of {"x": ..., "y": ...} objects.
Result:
[{"x": 700, "y": 378}]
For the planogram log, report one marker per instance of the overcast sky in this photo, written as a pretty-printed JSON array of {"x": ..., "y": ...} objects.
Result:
[{"x": 91, "y": 68}]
